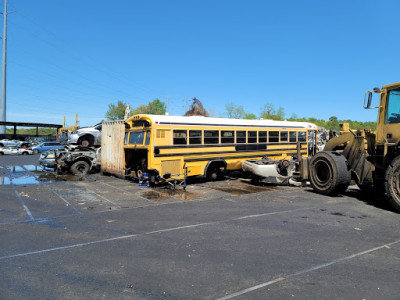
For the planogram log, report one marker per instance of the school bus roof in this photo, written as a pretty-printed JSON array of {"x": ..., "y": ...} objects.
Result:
[{"x": 206, "y": 121}]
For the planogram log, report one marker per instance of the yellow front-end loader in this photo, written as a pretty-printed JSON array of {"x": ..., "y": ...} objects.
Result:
[{"x": 371, "y": 159}]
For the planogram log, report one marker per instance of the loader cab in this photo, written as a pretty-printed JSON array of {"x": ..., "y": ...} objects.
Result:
[{"x": 388, "y": 123}]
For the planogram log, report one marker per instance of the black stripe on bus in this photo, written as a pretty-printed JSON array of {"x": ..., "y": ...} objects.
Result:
[
  {"x": 230, "y": 125},
  {"x": 223, "y": 152},
  {"x": 230, "y": 157},
  {"x": 224, "y": 145}
]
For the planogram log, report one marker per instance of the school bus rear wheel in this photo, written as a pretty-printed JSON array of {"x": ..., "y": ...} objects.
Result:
[{"x": 215, "y": 173}]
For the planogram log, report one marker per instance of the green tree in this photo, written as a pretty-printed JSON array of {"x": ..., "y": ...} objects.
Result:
[
  {"x": 234, "y": 112},
  {"x": 333, "y": 123},
  {"x": 269, "y": 112},
  {"x": 141, "y": 109},
  {"x": 250, "y": 116},
  {"x": 279, "y": 114},
  {"x": 155, "y": 107},
  {"x": 116, "y": 112}
]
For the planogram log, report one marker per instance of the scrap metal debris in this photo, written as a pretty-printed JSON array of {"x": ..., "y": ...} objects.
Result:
[{"x": 270, "y": 171}]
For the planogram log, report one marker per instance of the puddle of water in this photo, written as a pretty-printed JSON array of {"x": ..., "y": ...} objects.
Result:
[
  {"x": 17, "y": 169},
  {"x": 151, "y": 195},
  {"x": 242, "y": 188},
  {"x": 183, "y": 195},
  {"x": 19, "y": 176},
  {"x": 33, "y": 168},
  {"x": 25, "y": 180},
  {"x": 233, "y": 191},
  {"x": 168, "y": 194},
  {"x": 4, "y": 180},
  {"x": 257, "y": 189}
]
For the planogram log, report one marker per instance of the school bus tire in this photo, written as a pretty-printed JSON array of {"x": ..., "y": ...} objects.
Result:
[{"x": 215, "y": 170}]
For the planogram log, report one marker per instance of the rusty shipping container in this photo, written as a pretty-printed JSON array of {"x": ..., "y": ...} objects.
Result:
[{"x": 112, "y": 148}]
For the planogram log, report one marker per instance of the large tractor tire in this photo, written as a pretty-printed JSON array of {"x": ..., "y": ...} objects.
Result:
[
  {"x": 329, "y": 173},
  {"x": 392, "y": 183}
]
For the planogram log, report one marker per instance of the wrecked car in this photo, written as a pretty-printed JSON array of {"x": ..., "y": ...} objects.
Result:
[
  {"x": 48, "y": 159},
  {"x": 86, "y": 136},
  {"x": 270, "y": 171},
  {"x": 78, "y": 160}
]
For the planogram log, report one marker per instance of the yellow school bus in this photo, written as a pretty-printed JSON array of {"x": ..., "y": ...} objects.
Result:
[{"x": 202, "y": 146}]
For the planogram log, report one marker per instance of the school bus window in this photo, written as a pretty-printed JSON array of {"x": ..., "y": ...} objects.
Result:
[
  {"x": 262, "y": 136},
  {"x": 148, "y": 132},
  {"x": 302, "y": 136},
  {"x": 227, "y": 137},
  {"x": 293, "y": 136},
  {"x": 240, "y": 136},
  {"x": 136, "y": 137},
  {"x": 284, "y": 136},
  {"x": 195, "y": 137},
  {"x": 126, "y": 138},
  {"x": 252, "y": 138},
  {"x": 211, "y": 136},
  {"x": 273, "y": 136},
  {"x": 180, "y": 137}
]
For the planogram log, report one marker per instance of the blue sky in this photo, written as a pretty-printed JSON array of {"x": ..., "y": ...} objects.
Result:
[{"x": 313, "y": 58}]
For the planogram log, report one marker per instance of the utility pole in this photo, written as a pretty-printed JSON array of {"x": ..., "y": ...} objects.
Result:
[
  {"x": 166, "y": 106},
  {"x": 186, "y": 105},
  {"x": 3, "y": 116}
]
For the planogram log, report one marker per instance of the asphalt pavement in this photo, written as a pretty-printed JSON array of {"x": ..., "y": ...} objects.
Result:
[{"x": 100, "y": 237}]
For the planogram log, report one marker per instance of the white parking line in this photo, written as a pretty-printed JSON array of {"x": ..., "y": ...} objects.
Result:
[
  {"x": 146, "y": 233},
  {"x": 104, "y": 198},
  {"x": 63, "y": 199},
  {"x": 28, "y": 212},
  {"x": 262, "y": 285}
]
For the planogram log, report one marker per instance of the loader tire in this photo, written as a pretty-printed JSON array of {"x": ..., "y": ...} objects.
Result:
[
  {"x": 80, "y": 167},
  {"x": 329, "y": 173},
  {"x": 392, "y": 183}
]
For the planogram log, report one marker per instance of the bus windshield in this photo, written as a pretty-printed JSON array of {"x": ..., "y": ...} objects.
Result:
[{"x": 136, "y": 137}]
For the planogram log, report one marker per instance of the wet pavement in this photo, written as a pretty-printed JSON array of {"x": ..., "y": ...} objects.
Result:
[{"x": 100, "y": 237}]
